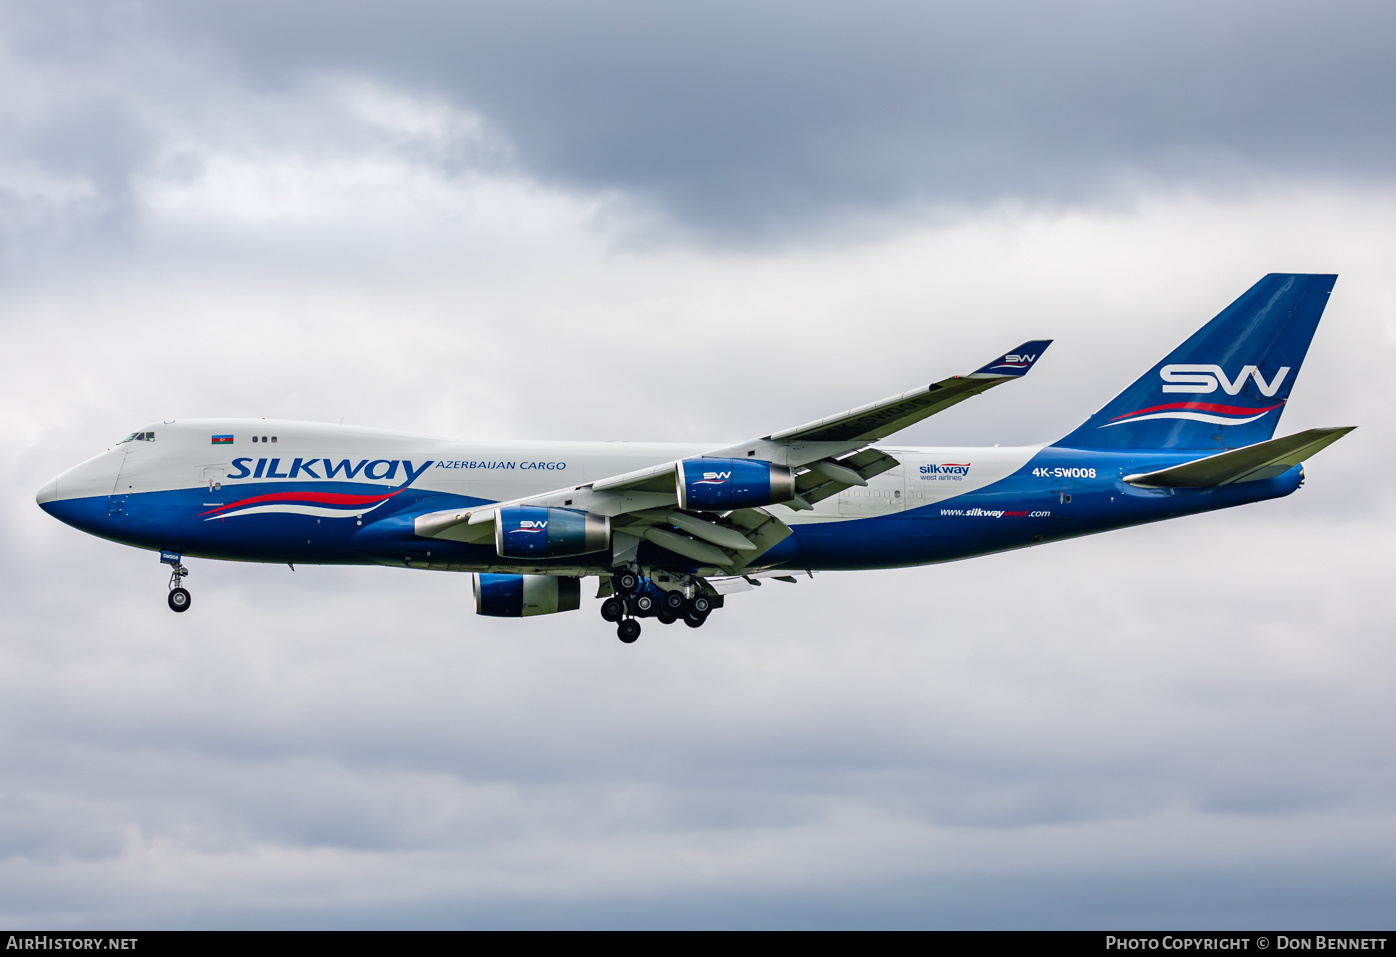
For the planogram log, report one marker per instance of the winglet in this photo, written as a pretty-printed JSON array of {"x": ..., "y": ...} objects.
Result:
[{"x": 1016, "y": 362}]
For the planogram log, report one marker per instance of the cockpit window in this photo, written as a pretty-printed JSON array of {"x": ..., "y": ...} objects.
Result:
[{"x": 138, "y": 437}]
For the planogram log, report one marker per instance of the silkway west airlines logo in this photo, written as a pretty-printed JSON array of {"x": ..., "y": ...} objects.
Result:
[
  {"x": 1199, "y": 380},
  {"x": 530, "y": 526},
  {"x": 949, "y": 470}
]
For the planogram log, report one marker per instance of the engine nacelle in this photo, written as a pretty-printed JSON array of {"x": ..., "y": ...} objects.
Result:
[
  {"x": 521, "y": 596},
  {"x": 527, "y": 531},
  {"x": 719, "y": 485}
]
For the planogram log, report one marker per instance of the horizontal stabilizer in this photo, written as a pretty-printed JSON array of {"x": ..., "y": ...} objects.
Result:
[{"x": 1251, "y": 464}]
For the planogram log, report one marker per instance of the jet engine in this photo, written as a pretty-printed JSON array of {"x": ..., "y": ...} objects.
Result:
[
  {"x": 528, "y": 531},
  {"x": 522, "y": 596},
  {"x": 719, "y": 485}
]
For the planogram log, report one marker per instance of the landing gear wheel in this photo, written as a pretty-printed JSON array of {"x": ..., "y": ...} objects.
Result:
[
  {"x": 179, "y": 599},
  {"x": 694, "y": 620},
  {"x": 664, "y": 617},
  {"x": 644, "y": 604},
  {"x": 673, "y": 602},
  {"x": 625, "y": 583},
  {"x": 612, "y": 609},
  {"x": 700, "y": 604},
  {"x": 628, "y": 630}
]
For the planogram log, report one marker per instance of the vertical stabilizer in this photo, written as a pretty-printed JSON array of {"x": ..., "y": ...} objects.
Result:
[{"x": 1227, "y": 385}]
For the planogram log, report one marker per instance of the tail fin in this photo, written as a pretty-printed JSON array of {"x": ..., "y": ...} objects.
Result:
[{"x": 1227, "y": 385}]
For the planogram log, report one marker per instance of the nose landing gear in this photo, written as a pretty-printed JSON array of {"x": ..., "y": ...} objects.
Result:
[{"x": 178, "y": 599}]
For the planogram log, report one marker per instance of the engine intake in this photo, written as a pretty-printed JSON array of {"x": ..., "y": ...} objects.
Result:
[
  {"x": 522, "y": 596},
  {"x": 528, "y": 531},
  {"x": 718, "y": 485}
]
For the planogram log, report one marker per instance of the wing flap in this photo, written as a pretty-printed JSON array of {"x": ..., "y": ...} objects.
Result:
[
  {"x": 821, "y": 481},
  {"x": 762, "y": 529},
  {"x": 687, "y": 547}
]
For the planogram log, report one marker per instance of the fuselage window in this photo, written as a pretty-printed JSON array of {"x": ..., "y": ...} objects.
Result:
[
  {"x": 254, "y": 438},
  {"x": 273, "y": 438}
]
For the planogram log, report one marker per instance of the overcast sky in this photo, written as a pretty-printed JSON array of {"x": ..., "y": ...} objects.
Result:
[{"x": 643, "y": 221}]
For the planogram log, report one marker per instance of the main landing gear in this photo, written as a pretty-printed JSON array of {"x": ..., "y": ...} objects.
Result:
[
  {"x": 638, "y": 597},
  {"x": 178, "y": 599}
]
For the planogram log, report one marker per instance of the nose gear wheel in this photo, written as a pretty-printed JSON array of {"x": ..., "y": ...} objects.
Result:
[{"x": 178, "y": 599}]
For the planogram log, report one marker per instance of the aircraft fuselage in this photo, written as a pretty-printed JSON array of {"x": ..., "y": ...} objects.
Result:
[{"x": 323, "y": 494}]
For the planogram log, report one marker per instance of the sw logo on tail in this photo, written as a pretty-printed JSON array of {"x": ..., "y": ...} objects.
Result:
[{"x": 1182, "y": 377}]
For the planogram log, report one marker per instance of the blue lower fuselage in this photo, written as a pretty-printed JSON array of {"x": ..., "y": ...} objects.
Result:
[{"x": 1058, "y": 493}]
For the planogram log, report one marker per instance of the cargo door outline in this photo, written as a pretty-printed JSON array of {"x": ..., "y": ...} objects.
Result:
[
  {"x": 884, "y": 494},
  {"x": 116, "y": 501},
  {"x": 211, "y": 479}
]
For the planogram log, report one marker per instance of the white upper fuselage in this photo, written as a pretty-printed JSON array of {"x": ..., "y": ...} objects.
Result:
[{"x": 182, "y": 455}]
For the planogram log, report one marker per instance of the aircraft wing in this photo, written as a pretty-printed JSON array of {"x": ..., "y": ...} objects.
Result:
[
  {"x": 878, "y": 420},
  {"x": 826, "y": 457}
]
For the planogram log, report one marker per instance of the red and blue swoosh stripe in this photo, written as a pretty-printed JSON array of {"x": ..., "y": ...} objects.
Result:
[
  {"x": 318, "y": 504},
  {"x": 1209, "y": 412}
]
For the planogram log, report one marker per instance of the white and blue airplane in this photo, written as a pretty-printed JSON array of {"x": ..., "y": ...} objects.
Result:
[{"x": 671, "y": 530}]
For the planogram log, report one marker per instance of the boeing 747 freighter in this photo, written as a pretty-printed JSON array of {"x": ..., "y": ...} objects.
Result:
[{"x": 670, "y": 530}]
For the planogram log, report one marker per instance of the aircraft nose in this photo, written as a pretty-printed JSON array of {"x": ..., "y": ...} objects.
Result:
[{"x": 79, "y": 495}]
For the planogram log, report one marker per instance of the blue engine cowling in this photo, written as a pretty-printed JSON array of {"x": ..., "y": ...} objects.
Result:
[
  {"x": 718, "y": 485},
  {"x": 527, "y": 531},
  {"x": 522, "y": 596}
]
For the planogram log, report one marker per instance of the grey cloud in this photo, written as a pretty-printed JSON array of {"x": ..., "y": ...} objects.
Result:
[
  {"x": 752, "y": 121},
  {"x": 751, "y": 118}
]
